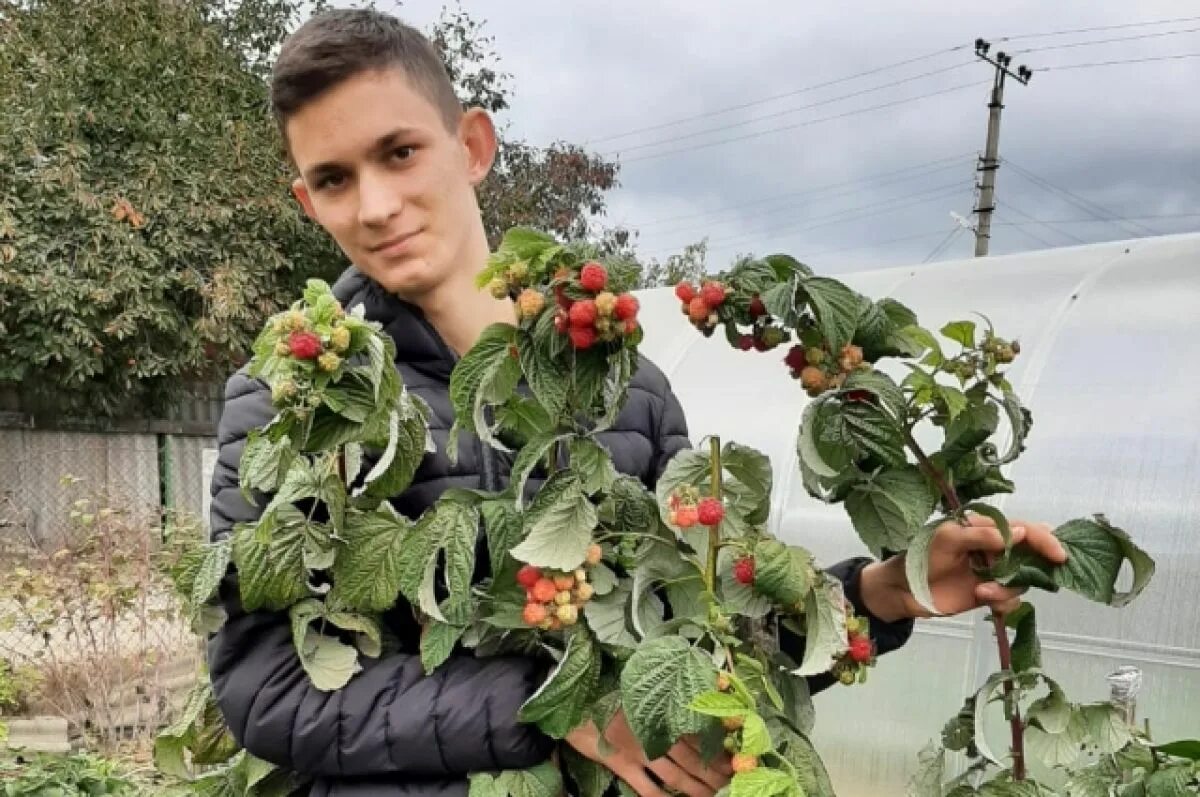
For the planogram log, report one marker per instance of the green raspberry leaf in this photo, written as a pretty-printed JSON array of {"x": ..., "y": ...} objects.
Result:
[
  {"x": 1026, "y": 649},
  {"x": 890, "y": 509},
  {"x": 961, "y": 332},
  {"x": 558, "y": 525},
  {"x": 558, "y": 706},
  {"x": 836, "y": 307},
  {"x": 368, "y": 569},
  {"x": 437, "y": 643},
  {"x": 783, "y": 573},
  {"x": 659, "y": 682},
  {"x": 761, "y": 782},
  {"x": 265, "y": 462},
  {"x": 269, "y": 557},
  {"x": 825, "y": 622}
]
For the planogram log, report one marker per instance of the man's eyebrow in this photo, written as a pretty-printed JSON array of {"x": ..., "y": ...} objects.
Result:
[{"x": 382, "y": 144}]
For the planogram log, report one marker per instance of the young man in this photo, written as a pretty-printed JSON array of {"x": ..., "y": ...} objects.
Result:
[{"x": 388, "y": 163}]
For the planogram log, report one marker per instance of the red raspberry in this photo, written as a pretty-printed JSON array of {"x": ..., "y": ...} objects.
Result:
[
  {"x": 593, "y": 277},
  {"x": 743, "y": 570},
  {"x": 534, "y": 614},
  {"x": 529, "y": 575},
  {"x": 627, "y": 307},
  {"x": 795, "y": 359},
  {"x": 583, "y": 313},
  {"x": 686, "y": 517},
  {"x": 561, "y": 298},
  {"x": 710, "y": 512},
  {"x": 860, "y": 649},
  {"x": 686, "y": 291},
  {"x": 631, "y": 326},
  {"x": 746, "y": 342},
  {"x": 757, "y": 308},
  {"x": 304, "y": 345},
  {"x": 544, "y": 590},
  {"x": 863, "y": 396},
  {"x": 760, "y": 344},
  {"x": 713, "y": 293},
  {"x": 698, "y": 310},
  {"x": 582, "y": 337}
]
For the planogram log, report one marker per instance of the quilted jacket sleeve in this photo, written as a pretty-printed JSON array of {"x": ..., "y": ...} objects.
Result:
[
  {"x": 391, "y": 717},
  {"x": 672, "y": 437}
]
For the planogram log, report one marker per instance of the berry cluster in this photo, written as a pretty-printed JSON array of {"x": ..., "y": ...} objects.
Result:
[
  {"x": 700, "y": 304},
  {"x": 860, "y": 652},
  {"x": 515, "y": 277},
  {"x": 299, "y": 339},
  {"x": 685, "y": 509},
  {"x": 552, "y": 598},
  {"x": 739, "y": 761},
  {"x": 818, "y": 372},
  {"x": 600, "y": 317}
]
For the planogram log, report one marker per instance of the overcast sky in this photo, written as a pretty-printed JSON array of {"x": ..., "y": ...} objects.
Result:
[{"x": 870, "y": 188}]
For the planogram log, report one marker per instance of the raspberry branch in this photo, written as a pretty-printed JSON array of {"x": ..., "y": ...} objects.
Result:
[{"x": 714, "y": 534}]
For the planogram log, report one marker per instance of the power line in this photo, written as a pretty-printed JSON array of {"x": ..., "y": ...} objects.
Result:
[
  {"x": 1087, "y": 205},
  {"x": 1159, "y": 216},
  {"x": 777, "y": 114},
  {"x": 944, "y": 244},
  {"x": 1045, "y": 224},
  {"x": 960, "y": 87},
  {"x": 1061, "y": 67},
  {"x": 873, "y": 244},
  {"x": 948, "y": 162},
  {"x": 1069, "y": 45},
  {"x": 1030, "y": 234},
  {"x": 772, "y": 98},
  {"x": 1097, "y": 29}
]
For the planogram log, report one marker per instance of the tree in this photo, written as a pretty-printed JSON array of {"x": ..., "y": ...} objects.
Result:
[{"x": 146, "y": 227}]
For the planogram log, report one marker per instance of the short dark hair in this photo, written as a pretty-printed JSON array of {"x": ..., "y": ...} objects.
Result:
[{"x": 338, "y": 44}]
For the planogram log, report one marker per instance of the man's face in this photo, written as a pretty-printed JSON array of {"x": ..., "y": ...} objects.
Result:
[{"x": 382, "y": 174}]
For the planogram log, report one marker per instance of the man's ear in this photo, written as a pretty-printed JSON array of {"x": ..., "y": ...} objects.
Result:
[
  {"x": 300, "y": 191},
  {"x": 478, "y": 136}
]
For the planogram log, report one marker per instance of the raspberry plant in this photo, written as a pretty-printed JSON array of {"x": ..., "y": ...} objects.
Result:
[{"x": 858, "y": 445}]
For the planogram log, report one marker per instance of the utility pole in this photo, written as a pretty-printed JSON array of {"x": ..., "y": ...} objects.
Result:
[{"x": 991, "y": 157}]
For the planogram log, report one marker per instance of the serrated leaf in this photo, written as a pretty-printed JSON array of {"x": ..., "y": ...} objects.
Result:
[
  {"x": 890, "y": 509},
  {"x": 1020, "y": 420},
  {"x": 931, "y": 768},
  {"x": 1059, "y": 748},
  {"x": 212, "y": 568},
  {"x": 916, "y": 566},
  {"x": 602, "y": 579},
  {"x": 502, "y": 524},
  {"x": 1184, "y": 748},
  {"x": 330, "y": 663},
  {"x": 171, "y": 742},
  {"x": 784, "y": 573},
  {"x": 983, "y": 698},
  {"x": 437, "y": 643},
  {"x": 962, "y": 332},
  {"x": 737, "y": 597},
  {"x": 1106, "y": 726},
  {"x": 756, "y": 739},
  {"x": 761, "y": 782},
  {"x": 1026, "y": 649},
  {"x": 881, "y": 386},
  {"x": 353, "y": 397},
  {"x": 547, "y": 376},
  {"x": 557, "y": 707},
  {"x": 959, "y": 732},
  {"x": 721, "y": 704},
  {"x": 406, "y": 448},
  {"x": 265, "y": 462},
  {"x": 544, "y": 780},
  {"x": 528, "y": 458},
  {"x": 970, "y": 429},
  {"x": 269, "y": 558},
  {"x": 367, "y": 635},
  {"x": 825, "y": 625},
  {"x": 558, "y": 525},
  {"x": 591, "y": 778},
  {"x": 592, "y": 463},
  {"x": 954, "y": 399},
  {"x": 659, "y": 681},
  {"x": 472, "y": 380},
  {"x": 606, "y": 616},
  {"x": 1051, "y": 713},
  {"x": 367, "y": 574},
  {"x": 752, "y": 471},
  {"x": 836, "y": 307}
]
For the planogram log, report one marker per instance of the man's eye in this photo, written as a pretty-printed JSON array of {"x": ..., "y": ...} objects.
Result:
[
  {"x": 403, "y": 153},
  {"x": 330, "y": 181}
]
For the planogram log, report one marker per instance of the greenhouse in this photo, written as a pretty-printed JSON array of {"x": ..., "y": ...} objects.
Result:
[{"x": 1110, "y": 334}]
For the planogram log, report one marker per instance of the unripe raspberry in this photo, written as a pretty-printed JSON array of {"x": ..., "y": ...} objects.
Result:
[
  {"x": 283, "y": 391},
  {"x": 563, "y": 598},
  {"x": 603, "y": 326},
  {"x": 730, "y": 744},
  {"x": 498, "y": 287},
  {"x": 585, "y": 591},
  {"x": 813, "y": 379},
  {"x": 518, "y": 271},
  {"x": 282, "y": 349},
  {"x": 295, "y": 321},
  {"x": 580, "y": 575},
  {"x": 627, "y": 307},
  {"x": 814, "y": 355},
  {"x": 773, "y": 336},
  {"x": 544, "y": 591},
  {"x": 564, "y": 581},
  {"x": 606, "y": 302},
  {"x": 534, "y": 614},
  {"x": 594, "y": 554},
  {"x": 744, "y": 763},
  {"x": 710, "y": 512},
  {"x": 732, "y": 723},
  {"x": 567, "y": 614},
  {"x": 685, "y": 292},
  {"x": 856, "y": 625},
  {"x": 846, "y": 677},
  {"x": 530, "y": 303},
  {"x": 582, "y": 337},
  {"x": 340, "y": 339},
  {"x": 698, "y": 310},
  {"x": 713, "y": 293},
  {"x": 593, "y": 277},
  {"x": 329, "y": 362},
  {"x": 723, "y": 683},
  {"x": 528, "y": 576}
]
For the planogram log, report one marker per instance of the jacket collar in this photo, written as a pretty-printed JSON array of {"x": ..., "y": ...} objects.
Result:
[{"x": 418, "y": 345}]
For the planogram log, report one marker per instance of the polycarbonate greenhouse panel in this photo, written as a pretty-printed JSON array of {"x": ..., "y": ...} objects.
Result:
[{"x": 1110, "y": 337}]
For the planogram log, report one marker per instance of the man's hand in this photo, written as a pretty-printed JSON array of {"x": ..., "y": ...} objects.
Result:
[
  {"x": 681, "y": 769},
  {"x": 952, "y": 580}
]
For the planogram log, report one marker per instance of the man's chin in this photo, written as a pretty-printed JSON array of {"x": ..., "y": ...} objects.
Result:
[{"x": 408, "y": 277}]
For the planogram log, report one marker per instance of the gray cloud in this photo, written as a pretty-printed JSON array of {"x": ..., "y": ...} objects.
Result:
[{"x": 1121, "y": 137}]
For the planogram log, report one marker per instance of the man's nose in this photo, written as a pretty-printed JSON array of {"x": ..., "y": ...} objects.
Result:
[{"x": 379, "y": 200}]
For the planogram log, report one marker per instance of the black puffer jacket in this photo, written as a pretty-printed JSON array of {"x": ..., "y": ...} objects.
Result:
[{"x": 392, "y": 731}]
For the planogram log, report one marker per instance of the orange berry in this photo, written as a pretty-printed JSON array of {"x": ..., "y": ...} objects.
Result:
[
  {"x": 564, "y": 581},
  {"x": 594, "y": 554},
  {"x": 744, "y": 763},
  {"x": 544, "y": 591}
]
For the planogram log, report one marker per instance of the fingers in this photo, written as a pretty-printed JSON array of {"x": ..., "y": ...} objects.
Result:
[
  {"x": 1040, "y": 537},
  {"x": 639, "y": 781},
  {"x": 689, "y": 759},
  {"x": 987, "y": 538},
  {"x": 671, "y": 774},
  {"x": 1004, "y": 600}
]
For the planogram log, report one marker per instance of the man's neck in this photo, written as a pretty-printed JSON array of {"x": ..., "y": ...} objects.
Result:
[{"x": 460, "y": 312}]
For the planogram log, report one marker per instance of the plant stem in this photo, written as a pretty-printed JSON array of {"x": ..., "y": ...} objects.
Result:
[
  {"x": 714, "y": 532},
  {"x": 1011, "y": 710}
]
